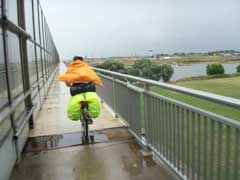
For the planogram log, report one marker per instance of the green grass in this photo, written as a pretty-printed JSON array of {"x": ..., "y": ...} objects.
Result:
[
  {"x": 222, "y": 86},
  {"x": 194, "y": 78}
]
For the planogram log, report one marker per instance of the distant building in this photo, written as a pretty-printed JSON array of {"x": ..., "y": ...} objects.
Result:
[
  {"x": 236, "y": 54},
  {"x": 228, "y": 54}
]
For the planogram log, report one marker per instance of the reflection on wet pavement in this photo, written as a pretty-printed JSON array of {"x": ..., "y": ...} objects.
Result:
[
  {"x": 42, "y": 143},
  {"x": 118, "y": 160}
]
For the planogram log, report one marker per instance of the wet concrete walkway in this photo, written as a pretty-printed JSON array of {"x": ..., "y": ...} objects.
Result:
[
  {"x": 55, "y": 152},
  {"x": 119, "y": 159}
]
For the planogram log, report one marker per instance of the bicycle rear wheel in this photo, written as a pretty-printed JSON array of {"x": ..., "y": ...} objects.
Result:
[{"x": 85, "y": 126}]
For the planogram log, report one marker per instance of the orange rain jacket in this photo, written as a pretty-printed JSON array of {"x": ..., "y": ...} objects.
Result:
[{"x": 79, "y": 71}]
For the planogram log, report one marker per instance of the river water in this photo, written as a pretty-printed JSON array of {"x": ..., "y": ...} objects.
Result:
[{"x": 199, "y": 69}]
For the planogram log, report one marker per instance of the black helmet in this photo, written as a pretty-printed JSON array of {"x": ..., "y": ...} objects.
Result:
[{"x": 77, "y": 58}]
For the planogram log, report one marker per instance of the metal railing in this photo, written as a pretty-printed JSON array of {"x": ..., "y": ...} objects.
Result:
[{"x": 195, "y": 143}]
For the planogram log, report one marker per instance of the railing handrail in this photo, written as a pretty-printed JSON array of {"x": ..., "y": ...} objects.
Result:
[{"x": 197, "y": 93}]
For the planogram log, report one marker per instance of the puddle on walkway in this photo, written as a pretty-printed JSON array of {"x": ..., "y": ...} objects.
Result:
[
  {"x": 102, "y": 161},
  {"x": 43, "y": 143}
]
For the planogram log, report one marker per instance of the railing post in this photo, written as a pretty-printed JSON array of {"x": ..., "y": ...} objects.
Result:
[
  {"x": 146, "y": 116},
  {"x": 24, "y": 58},
  {"x": 114, "y": 97},
  {"x": 128, "y": 109}
]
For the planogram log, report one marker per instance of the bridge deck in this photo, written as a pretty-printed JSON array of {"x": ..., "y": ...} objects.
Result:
[
  {"x": 55, "y": 151},
  {"x": 102, "y": 161}
]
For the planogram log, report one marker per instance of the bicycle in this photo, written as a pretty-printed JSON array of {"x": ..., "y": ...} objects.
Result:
[{"x": 85, "y": 118}]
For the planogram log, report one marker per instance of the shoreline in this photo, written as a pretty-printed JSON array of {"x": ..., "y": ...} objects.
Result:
[
  {"x": 186, "y": 62},
  {"x": 174, "y": 60},
  {"x": 194, "y": 78}
]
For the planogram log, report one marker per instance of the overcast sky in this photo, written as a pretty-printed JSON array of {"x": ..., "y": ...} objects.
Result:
[{"x": 99, "y": 28}]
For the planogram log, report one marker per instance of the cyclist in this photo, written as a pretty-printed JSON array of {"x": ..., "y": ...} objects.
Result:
[
  {"x": 81, "y": 79},
  {"x": 81, "y": 87}
]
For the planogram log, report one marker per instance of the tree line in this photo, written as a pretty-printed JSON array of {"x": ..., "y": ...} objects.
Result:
[{"x": 142, "y": 68}]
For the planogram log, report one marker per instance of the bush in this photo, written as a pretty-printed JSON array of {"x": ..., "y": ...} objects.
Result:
[
  {"x": 112, "y": 65},
  {"x": 156, "y": 71},
  {"x": 213, "y": 69},
  {"x": 166, "y": 72},
  {"x": 147, "y": 69},
  {"x": 142, "y": 68},
  {"x": 238, "y": 68}
]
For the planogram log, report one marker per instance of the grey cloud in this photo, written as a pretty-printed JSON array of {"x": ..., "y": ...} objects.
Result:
[{"x": 123, "y": 27}]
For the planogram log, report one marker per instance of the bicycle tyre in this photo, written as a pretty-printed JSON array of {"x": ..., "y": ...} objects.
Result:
[{"x": 85, "y": 126}]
